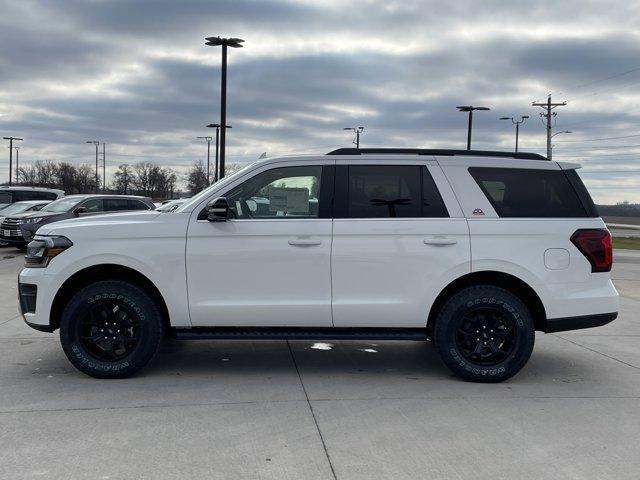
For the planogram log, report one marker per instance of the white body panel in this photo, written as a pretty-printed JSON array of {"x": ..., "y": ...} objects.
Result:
[{"x": 358, "y": 272}]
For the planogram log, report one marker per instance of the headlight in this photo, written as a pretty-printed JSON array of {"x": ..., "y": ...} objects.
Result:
[
  {"x": 42, "y": 249},
  {"x": 33, "y": 220}
]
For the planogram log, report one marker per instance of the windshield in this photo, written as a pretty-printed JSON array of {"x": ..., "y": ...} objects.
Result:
[
  {"x": 196, "y": 198},
  {"x": 16, "y": 208},
  {"x": 63, "y": 205}
]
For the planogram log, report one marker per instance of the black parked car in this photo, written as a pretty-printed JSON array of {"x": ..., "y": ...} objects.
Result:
[{"x": 18, "y": 230}]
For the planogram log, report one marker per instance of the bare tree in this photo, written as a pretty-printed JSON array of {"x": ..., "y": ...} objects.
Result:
[{"x": 196, "y": 178}]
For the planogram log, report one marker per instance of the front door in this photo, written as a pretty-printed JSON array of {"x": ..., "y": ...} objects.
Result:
[{"x": 268, "y": 265}]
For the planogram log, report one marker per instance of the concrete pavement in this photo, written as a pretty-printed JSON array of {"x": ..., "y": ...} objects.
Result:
[{"x": 299, "y": 410}]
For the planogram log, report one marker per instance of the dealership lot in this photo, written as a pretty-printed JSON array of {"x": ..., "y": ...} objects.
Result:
[{"x": 347, "y": 410}]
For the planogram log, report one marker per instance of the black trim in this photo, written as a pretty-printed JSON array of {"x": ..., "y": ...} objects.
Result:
[
  {"x": 299, "y": 333},
  {"x": 14, "y": 241},
  {"x": 437, "y": 152},
  {"x": 327, "y": 184},
  {"x": 28, "y": 294},
  {"x": 41, "y": 328},
  {"x": 575, "y": 323}
]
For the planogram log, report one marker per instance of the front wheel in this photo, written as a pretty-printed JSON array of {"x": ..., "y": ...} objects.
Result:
[
  {"x": 111, "y": 329},
  {"x": 484, "y": 334}
]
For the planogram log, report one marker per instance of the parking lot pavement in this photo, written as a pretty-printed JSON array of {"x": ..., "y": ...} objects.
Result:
[{"x": 299, "y": 410}]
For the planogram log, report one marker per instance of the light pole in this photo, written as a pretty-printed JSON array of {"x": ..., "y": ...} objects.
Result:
[
  {"x": 11, "y": 139},
  {"x": 470, "y": 109},
  {"x": 96, "y": 143},
  {"x": 17, "y": 164},
  {"x": 357, "y": 131},
  {"x": 557, "y": 133},
  {"x": 104, "y": 169},
  {"x": 517, "y": 123},
  {"x": 208, "y": 139},
  {"x": 215, "y": 168},
  {"x": 224, "y": 43}
]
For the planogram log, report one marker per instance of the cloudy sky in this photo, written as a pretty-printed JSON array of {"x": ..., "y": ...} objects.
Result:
[{"x": 137, "y": 76}]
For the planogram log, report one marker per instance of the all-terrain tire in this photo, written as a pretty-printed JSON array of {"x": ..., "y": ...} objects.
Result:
[
  {"x": 111, "y": 309},
  {"x": 466, "y": 335}
]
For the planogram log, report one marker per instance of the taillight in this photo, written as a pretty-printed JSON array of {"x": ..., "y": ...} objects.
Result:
[{"x": 596, "y": 246}]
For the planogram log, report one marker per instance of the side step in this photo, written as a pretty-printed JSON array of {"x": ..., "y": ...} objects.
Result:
[{"x": 298, "y": 333}]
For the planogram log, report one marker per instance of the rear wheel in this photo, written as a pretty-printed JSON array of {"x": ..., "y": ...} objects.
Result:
[
  {"x": 111, "y": 329},
  {"x": 484, "y": 334}
]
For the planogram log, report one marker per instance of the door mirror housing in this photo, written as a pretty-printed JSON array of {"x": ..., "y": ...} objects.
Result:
[
  {"x": 79, "y": 210},
  {"x": 218, "y": 210}
]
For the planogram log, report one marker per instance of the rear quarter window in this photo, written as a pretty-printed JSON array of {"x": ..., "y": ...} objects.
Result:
[{"x": 532, "y": 193}]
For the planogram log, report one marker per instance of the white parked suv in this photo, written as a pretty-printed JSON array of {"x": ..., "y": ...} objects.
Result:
[{"x": 474, "y": 250}]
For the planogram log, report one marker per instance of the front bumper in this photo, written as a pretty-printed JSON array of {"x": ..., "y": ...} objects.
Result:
[{"x": 20, "y": 237}]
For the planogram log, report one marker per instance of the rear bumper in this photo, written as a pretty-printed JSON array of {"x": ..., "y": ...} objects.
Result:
[{"x": 575, "y": 323}]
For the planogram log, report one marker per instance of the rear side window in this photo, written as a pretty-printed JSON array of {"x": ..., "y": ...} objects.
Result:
[
  {"x": 388, "y": 191},
  {"x": 523, "y": 192},
  {"x": 137, "y": 205}
]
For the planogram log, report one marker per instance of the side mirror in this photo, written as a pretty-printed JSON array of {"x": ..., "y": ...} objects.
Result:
[
  {"x": 218, "y": 210},
  {"x": 79, "y": 210}
]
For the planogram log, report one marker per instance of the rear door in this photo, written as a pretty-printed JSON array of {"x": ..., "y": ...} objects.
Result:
[{"x": 398, "y": 238}]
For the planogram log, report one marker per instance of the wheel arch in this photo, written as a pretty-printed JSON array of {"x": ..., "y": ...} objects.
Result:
[
  {"x": 503, "y": 280},
  {"x": 96, "y": 273}
]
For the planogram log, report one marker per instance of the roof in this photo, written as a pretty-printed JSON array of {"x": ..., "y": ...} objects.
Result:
[
  {"x": 35, "y": 189},
  {"x": 437, "y": 152}
]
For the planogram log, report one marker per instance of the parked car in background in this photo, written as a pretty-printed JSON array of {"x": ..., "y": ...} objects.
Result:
[
  {"x": 19, "y": 229},
  {"x": 171, "y": 205},
  {"x": 9, "y": 195},
  {"x": 29, "y": 206},
  {"x": 474, "y": 250}
]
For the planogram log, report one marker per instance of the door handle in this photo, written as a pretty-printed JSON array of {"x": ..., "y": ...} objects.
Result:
[
  {"x": 439, "y": 241},
  {"x": 304, "y": 242}
]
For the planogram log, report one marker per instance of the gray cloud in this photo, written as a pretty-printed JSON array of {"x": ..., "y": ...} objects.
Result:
[{"x": 136, "y": 75}]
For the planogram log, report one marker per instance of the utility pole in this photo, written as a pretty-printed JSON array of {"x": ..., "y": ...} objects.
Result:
[
  {"x": 17, "y": 164},
  {"x": 357, "y": 131},
  {"x": 224, "y": 42},
  {"x": 11, "y": 139},
  {"x": 96, "y": 143},
  {"x": 548, "y": 106},
  {"x": 517, "y": 123}
]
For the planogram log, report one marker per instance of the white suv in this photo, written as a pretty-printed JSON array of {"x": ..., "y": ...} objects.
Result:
[{"x": 474, "y": 250}]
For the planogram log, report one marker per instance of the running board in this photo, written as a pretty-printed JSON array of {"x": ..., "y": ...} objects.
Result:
[{"x": 298, "y": 333}]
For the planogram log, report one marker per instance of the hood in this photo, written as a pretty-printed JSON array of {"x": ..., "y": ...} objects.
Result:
[
  {"x": 18, "y": 216},
  {"x": 99, "y": 221}
]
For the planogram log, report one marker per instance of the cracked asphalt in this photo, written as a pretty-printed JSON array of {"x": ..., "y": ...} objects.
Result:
[{"x": 336, "y": 410}]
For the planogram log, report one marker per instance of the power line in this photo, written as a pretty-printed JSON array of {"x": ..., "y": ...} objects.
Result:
[
  {"x": 598, "y": 139},
  {"x": 548, "y": 106},
  {"x": 610, "y": 77}
]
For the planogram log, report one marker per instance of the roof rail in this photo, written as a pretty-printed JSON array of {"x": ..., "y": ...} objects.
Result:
[{"x": 437, "y": 152}]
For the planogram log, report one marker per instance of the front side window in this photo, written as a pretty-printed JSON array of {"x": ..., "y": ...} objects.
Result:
[
  {"x": 136, "y": 205},
  {"x": 93, "y": 205},
  {"x": 529, "y": 193},
  {"x": 288, "y": 192}
]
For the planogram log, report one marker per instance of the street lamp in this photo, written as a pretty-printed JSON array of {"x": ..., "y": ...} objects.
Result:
[
  {"x": 96, "y": 143},
  {"x": 470, "y": 109},
  {"x": 357, "y": 131},
  {"x": 557, "y": 133},
  {"x": 11, "y": 139},
  {"x": 208, "y": 139},
  {"x": 517, "y": 123},
  {"x": 17, "y": 165},
  {"x": 215, "y": 169},
  {"x": 224, "y": 43}
]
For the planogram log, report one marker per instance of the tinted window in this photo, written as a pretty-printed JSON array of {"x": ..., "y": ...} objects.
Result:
[
  {"x": 520, "y": 192},
  {"x": 432, "y": 204},
  {"x": 93, "y": 205},
  {"x": 5, "y": 198},
  {"x": 137, "y": 205},
  {"x": 385, "y": 191},
  {"x": 280, "y": 192}
]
